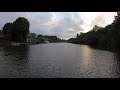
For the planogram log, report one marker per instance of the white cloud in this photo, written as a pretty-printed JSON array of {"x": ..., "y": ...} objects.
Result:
[
  {"x": 62, "y": 24},
  {"x": 96, "y": 18}
]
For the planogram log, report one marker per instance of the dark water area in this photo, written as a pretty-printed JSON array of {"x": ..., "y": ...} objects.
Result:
[{"x": 58, "y": 60}]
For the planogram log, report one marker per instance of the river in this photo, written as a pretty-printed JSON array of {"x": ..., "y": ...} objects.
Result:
[{"x": 58, "y": 60}]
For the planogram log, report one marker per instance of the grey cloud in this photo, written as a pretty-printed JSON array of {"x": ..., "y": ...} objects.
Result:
[
  {"x": 69, "y": 21},
  {"x": 7, "y": 17},
  {"x": 67, "y": 24},
  {"x": 99, "y": 20}
]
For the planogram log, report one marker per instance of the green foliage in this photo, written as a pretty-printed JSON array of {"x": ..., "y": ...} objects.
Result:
[
  {"x": 7, "y": 31},
  {"x": 52, "y": 38},
  {"x": 40, "y": 35},
  {"x": 77, "y": 35},
  {"x": 17, "y": 30},
  {"x": 21, "y": 24},
  {"x": 20, "y": 29},
  {"x": 107, "y": 37}
]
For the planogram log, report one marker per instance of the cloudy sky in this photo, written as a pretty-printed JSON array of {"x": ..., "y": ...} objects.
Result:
[{"x": 62, "y": 24}]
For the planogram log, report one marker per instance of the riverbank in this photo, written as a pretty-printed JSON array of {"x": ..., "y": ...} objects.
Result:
[
  {"x": 99, "y": 48},
  {"x": 8, "y": 43}
]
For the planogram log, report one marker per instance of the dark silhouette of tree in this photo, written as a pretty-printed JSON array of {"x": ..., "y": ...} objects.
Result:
[
  {"x": 7, "y": 31},
  {"x": 52, "y": 38},
  {"x": 40, "y": 35},
  {"x": 95, "y": 28},
  {"x": 77, "y": 35},
  {"x": 107, "y": 37},
  {"x": 20, "y": 29},
  {"x": 17, "y": 30}
]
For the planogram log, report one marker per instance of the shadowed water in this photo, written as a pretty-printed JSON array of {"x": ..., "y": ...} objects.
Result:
[{"x": 58, "y": 60}]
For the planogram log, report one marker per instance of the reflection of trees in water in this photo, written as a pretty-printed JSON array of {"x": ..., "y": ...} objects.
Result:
[
  {"x": 17, "y": 54},
  {"x": 15, "y": 61},
  {"x": 117, "y": 58},
  {"x": 117, "y": 55}
]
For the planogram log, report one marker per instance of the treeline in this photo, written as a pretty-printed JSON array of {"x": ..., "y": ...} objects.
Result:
[
  {"x": 18, "y": 30},
  {"x": 102, "y": 37},
  {"x": 50, "y": 38}
]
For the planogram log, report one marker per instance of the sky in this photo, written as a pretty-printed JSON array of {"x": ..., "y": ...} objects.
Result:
[{"x": 65, "y": 25}]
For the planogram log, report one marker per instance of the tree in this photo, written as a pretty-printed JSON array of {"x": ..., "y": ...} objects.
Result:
[
  {"x": 77, "y": 35},
  {"x": 22, "y": 24},
  {"x": 7, "y": 31},
  {"x": 40, "y": 35},
  {"x": 16, "y": 31},
  {"x": 20, "y": 29},
  {"x": 107, "y": 37}
]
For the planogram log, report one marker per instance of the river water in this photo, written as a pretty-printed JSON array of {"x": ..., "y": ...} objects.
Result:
[{"x": 58, "y": 60}]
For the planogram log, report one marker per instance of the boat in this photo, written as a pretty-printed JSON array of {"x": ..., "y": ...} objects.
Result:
[
  {"x": 15, "y": 44},
  {"x": 46, "y": 41}
]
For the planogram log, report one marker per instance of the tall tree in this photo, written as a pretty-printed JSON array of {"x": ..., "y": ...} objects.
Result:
[
  {"x": 77, "y": 35},
  {"x": 20, "y": 29}
]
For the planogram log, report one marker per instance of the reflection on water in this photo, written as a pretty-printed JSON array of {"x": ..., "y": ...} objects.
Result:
[
  {"x": 97, "y": 63},
  {"x": 62, "y": 60},
  {"x": 86, "y": 54},
  {"x": 14, "y": 61}
]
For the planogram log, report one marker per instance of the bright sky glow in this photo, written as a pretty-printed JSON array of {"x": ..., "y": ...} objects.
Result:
[{"x": 62, "y": 24}]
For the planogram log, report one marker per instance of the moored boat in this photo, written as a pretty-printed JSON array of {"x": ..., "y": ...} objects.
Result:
[
  {"x": 46, "y": 41},
  {"x": 15, "y": 44}
]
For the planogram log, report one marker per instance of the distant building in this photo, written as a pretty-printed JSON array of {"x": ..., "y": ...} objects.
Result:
[{"x": 31, "y": 38}]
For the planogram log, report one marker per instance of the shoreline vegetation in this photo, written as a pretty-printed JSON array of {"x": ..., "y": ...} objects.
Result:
[
  {"x": 104, "y": 38},
  {"x": 18, "y": 32}
]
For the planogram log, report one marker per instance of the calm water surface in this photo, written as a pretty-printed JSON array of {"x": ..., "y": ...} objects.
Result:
[{"x": 58, "y": 60}]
